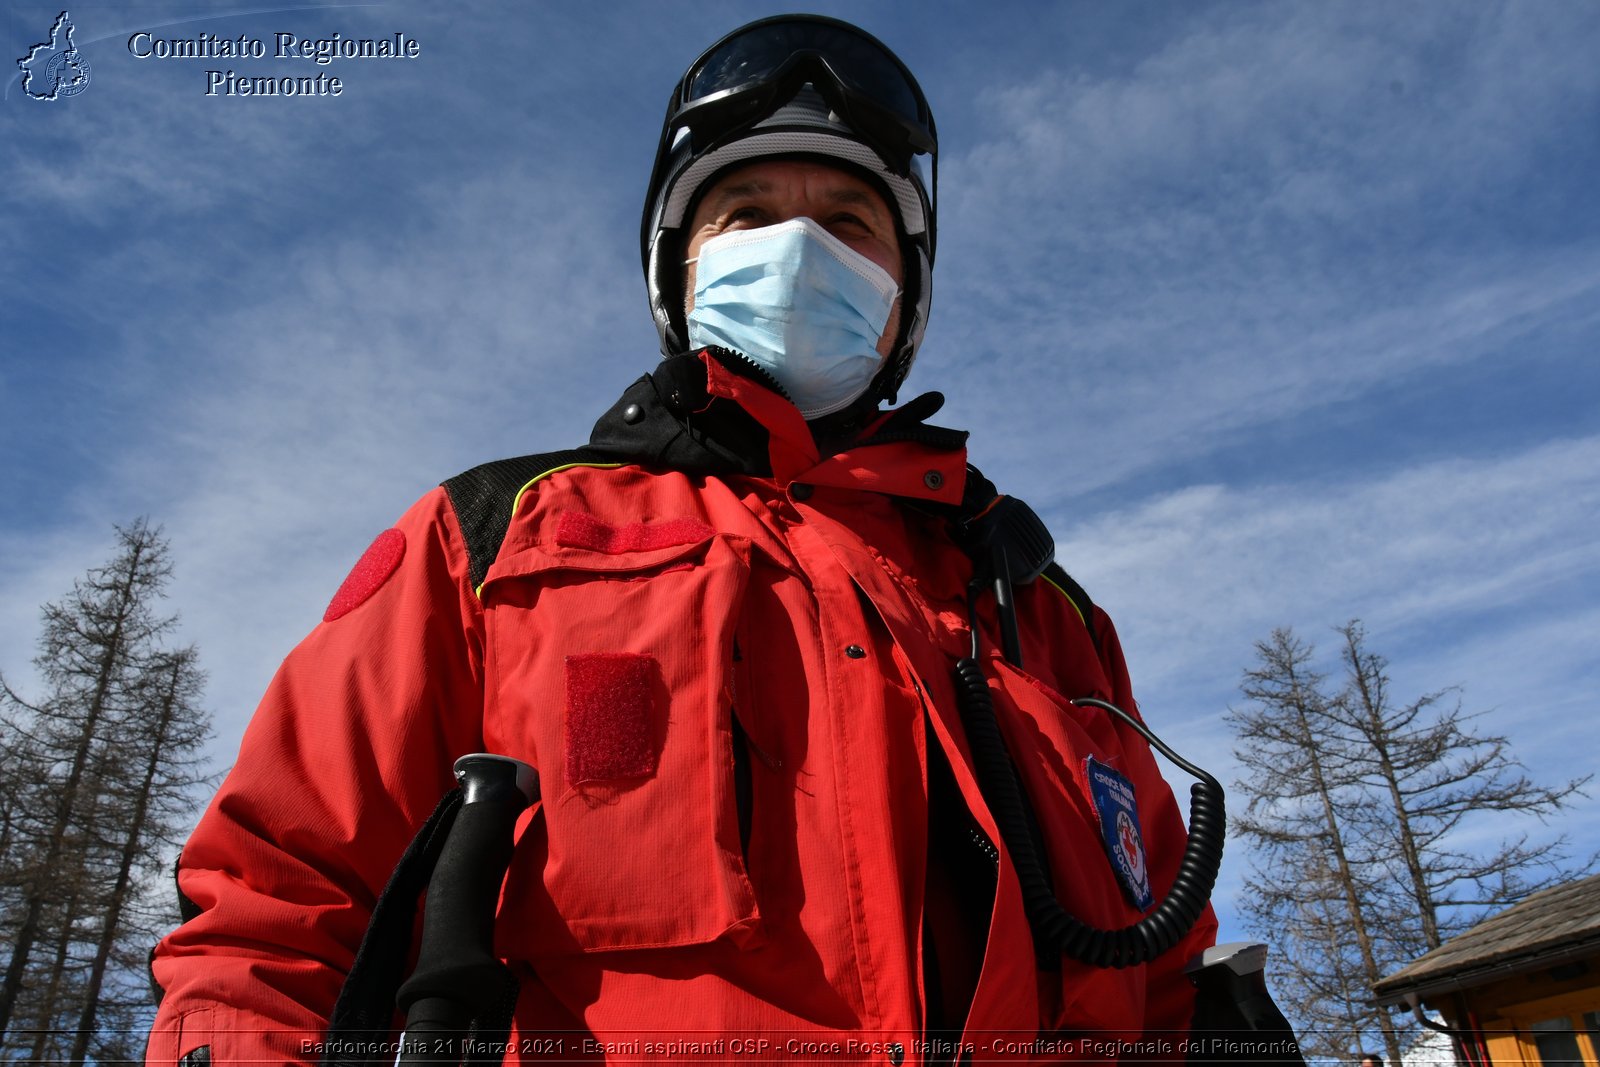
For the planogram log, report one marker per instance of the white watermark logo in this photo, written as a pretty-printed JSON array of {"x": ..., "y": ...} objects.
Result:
[{"x": 55, "y": 69}]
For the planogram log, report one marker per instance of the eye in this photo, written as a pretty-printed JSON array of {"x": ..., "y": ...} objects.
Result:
[
  {"x": 747, "y": 214},
  {"x": 849, "y": 222}
]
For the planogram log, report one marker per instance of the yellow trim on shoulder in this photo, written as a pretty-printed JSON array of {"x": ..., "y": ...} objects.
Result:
[
  {"x": 1071, "y": 601},
  {"x": 517, "y": 500},
  {"x": 517, "y": 503}
]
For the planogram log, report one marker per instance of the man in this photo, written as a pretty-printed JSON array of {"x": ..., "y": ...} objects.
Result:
[{"x": 727, "y": 633}]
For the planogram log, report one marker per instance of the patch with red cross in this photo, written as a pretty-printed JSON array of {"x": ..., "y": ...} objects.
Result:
[{"x": 1114, "y": 805}]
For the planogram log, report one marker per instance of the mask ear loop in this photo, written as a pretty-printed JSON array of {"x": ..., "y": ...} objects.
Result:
[{"x": 1054, "y": 929}]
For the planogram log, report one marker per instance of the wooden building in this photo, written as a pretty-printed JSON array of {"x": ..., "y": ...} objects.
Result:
[{"x": 1520, "y": 988}]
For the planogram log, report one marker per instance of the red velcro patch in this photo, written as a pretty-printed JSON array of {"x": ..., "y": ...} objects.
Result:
[
  {"x": 611, "y": 716},
  {"x": 381, "y": 559},
  {"x": 580, "y": 530}
]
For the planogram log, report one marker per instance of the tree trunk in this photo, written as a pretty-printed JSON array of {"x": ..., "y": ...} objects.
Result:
[
  {"x": 47, "y": 1020},
  {"x": 131, "y": 845},
  {"x": 100, "y": 630},
  {"x": 1344, "y": 874},
  {"x": 40, "y": 886}
]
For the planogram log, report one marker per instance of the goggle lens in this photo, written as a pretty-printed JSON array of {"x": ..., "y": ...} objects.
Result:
[{"x": 761, "y": 51}]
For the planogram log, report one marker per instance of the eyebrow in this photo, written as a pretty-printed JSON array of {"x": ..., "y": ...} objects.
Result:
[{"x": 846, "y": 195}]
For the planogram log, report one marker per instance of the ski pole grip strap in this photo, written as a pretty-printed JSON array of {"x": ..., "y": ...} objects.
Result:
[{"x": 359, "y": 1031}]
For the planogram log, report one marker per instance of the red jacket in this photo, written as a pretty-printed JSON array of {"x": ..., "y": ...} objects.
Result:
[{"x": 642, "y": 630}]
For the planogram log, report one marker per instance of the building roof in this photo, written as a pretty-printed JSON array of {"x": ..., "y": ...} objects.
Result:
[{"x": 1548, "y": 928}]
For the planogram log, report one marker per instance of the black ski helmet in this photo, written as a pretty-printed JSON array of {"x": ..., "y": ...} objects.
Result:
[{"x": 796, "y": 85}]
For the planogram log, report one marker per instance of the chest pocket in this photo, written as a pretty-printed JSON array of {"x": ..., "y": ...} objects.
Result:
[{"x": 610, "y": 663}]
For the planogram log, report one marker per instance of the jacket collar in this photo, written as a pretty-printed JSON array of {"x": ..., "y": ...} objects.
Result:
[{"x": 713, "y": 412}]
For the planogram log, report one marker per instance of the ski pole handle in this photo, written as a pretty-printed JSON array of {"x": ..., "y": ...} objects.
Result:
[{"x": 458, "y": 976}]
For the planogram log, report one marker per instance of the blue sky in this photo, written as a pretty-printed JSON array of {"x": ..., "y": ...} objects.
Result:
[{"x": 1280, "y": 314}]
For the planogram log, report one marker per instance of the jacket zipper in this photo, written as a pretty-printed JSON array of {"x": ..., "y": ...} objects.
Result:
[
  {"x": 974, "y": 835},
  {"x": 750, "y": 368}
]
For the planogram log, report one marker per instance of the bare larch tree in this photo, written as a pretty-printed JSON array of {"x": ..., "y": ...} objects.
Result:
[
  {"x": 1355, "y": 805},
  {"x": 105, "y": 769}
]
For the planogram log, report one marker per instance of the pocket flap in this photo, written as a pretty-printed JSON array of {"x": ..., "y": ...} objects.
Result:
[{"x": 577, "y": 540}]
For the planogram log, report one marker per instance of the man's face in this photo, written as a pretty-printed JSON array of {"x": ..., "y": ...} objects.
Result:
[{"x": 765, "y": 194}]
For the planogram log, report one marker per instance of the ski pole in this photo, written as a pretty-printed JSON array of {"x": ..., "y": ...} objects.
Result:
[{"x": 459, "y": 986}]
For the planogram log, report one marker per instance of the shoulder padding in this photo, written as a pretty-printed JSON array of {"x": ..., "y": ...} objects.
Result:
[{"x": 484, "y": 496}]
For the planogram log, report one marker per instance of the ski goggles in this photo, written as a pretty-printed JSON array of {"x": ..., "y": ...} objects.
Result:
[{"x": 746, "y": 76}]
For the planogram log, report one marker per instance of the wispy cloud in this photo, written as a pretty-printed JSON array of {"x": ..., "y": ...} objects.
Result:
[
  {"x": 1201, "y": 573},
  {"x": 1269, "y": 215}
]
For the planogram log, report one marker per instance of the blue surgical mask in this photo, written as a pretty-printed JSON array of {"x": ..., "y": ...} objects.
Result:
[{"x": 800, "y": 303}]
